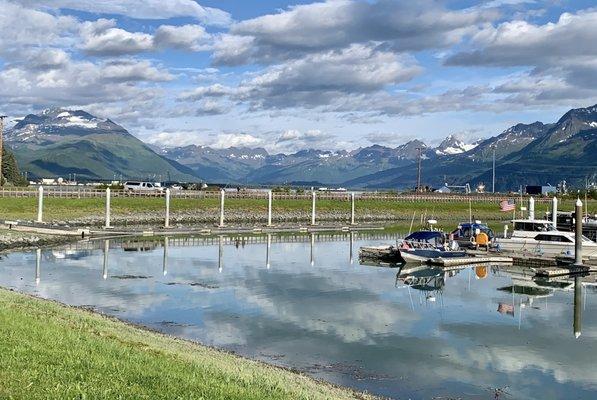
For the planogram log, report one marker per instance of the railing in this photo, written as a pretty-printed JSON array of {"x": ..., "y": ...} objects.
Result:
[{"x": 83, "y": 192}]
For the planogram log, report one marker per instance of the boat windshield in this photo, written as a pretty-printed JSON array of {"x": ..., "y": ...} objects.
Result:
[{"x": 530, "y": 226}]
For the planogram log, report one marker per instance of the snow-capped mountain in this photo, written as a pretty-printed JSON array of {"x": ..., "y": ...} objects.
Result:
[
  {"x": 58, "y": 142},
  {"x": 454, "y": 145},
  {"x": 53, "y": 125}
]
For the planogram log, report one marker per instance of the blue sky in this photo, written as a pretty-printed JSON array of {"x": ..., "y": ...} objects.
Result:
[{"x": 288, "y": 75}]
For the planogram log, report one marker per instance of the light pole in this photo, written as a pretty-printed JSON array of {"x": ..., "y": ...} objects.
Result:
[
  {"x": 493, "y": 174},
  {"x": 419, "y": 149},
  {"x": 1, "y": 145}
]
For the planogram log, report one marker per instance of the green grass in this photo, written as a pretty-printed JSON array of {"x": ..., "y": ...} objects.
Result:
[
  {"x": 52, "y": 351},
  {"x": 68, "y": 209}
]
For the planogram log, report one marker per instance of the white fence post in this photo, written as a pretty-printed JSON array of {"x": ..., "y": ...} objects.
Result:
[
  {"x": 269, "y": 208},
  {"x": 107, "y": 208},
  {"x": 167, "y": 221},
  {"x": 40, "y": 204},
  {"x": 222, "y": 196}
]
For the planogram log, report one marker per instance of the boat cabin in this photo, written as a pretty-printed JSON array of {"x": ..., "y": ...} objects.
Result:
[
  {"x": 467, "y": 230},
  {"x": 533, "y": 225}
]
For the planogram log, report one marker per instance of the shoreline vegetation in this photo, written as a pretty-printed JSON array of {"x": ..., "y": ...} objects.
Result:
[
  {"x": 50, "y": 350},
  {"x": 151, "y": 210}
]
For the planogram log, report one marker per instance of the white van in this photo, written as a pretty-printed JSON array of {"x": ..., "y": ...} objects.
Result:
[{"x": 136, "y": 186}]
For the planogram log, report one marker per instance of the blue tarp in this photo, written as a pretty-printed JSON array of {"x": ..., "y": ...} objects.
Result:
[{"x": 425, "y": 236}]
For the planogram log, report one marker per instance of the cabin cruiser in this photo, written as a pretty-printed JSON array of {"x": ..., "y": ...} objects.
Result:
[
  {"x": 420, "y": 246},
  {"x": 540, "y": 237}
]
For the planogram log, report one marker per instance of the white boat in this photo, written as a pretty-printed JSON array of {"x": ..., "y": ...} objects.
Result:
[{"x": 540, "y": 238}]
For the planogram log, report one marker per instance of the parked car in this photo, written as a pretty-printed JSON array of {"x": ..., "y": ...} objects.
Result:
[{"x": 136, "y": 186}]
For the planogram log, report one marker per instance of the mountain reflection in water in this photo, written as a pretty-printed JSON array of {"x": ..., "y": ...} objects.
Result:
[{"x": 301, "y": 301}]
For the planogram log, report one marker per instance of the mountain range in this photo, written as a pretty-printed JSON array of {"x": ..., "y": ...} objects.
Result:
[{"x": 59, "y": 141}]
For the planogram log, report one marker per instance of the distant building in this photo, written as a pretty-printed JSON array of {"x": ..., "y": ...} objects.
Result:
[
  {"x": 444, "y": 189},
  {"x": 541, "y": 190}
]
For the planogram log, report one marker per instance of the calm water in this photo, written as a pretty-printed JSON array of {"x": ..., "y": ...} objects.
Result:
[{"x": 417, "y": 334}]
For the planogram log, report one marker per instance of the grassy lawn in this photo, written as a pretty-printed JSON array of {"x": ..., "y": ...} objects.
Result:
[
  {"x": 65, "y": 208},
  {"x": 52, "y": 351}
]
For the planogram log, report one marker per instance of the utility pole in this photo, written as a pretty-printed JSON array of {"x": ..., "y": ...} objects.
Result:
[
  {"x": 419, "y": 149},
  {"x": 493, "y": 177},
  {"x": 1, "y": 145}
]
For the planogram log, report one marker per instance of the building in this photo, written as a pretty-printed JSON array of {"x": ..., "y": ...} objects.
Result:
[{"x": 541, "y": 190}]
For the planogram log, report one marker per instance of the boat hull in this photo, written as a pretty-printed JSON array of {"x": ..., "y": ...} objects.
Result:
[{"x": 424, "y": 255}]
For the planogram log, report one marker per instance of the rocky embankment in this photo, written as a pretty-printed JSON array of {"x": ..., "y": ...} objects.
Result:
[
  {"x": 208, "y": 217},
  {"x": 12, "y": 240}
]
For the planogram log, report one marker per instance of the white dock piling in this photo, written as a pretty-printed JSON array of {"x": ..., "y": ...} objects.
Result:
[
  {"x": 578, "y": 234},
  {"x": 314, "y": 196},
  {"x": 40, "y": 204},
  {"x": 554, "y": 212},
  {"x": 531, "y": 208},
  {"x": 167, "y": 219},
  {"x": 505, "y": 231},
  {"x": 222, "y": 196},
  {"x": 37, "y": 266},
  {"x": 352, "y": 199},
  {"x": 269, "y": 208},
  {"x": 107, "y": 208}
]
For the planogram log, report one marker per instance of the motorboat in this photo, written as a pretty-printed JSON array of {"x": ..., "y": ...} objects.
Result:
[
  {"x": 421, "y": 246},
  {"x": 541, "y": 237},
  {"x": 466, "y": 233}
]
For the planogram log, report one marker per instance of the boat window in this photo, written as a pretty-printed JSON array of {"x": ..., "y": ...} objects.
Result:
[{"x": 553, "y": 238}]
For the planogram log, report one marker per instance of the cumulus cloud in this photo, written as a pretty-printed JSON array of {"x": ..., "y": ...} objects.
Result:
[
  {"x": 142, "y": 9},
  {"x": 399, "y": 26},
  {"x": 101, "y": 37},
  {"x": 519, "y": 43},
  {"x": 561, "y": 54},
  {"x": 318, "y": 79},
  {"x": 185, "y": 37},
  {"x": 215, "y": 90},
  {"x": 20, "y": 26},
  {"x": 129, "y": 71}
]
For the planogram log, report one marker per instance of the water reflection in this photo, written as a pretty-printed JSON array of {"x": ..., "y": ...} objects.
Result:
[
  {"x": 105, "y": 265},
  {"x": 267, "y": 249},
  {"x": 37, "y": 266},
  {"x": 165, "y": 259},
  {"x": 412, "y": 332},
  {"x": 577, "y": 307}
]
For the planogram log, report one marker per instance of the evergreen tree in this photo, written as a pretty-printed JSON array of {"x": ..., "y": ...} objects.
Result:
[{"x": 10, "y": 169}]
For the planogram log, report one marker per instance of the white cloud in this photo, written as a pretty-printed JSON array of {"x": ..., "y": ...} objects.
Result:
[
  {"x": 21, "y": 26},
  {"x": 399, "y": 26},
  {"x": 185, "y": 37},
  {"x": 319, "y": 79},
  {"x": 101, "y": 37},
  {"x": 128, "y": 71},
  {"x": 142, "y": 9},
  {"x": 226, "y": 140}
]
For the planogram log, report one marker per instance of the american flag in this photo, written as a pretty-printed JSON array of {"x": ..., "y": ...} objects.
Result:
[{"x": 507, "y": 205}]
